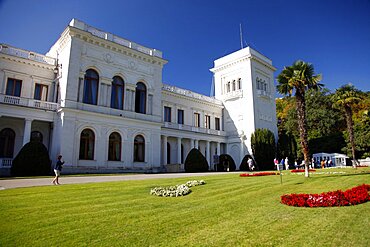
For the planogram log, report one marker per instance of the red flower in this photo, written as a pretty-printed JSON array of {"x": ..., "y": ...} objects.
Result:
[
  {"x": 354, "y": 196},
  {"x": 302, "y": 170},
  {"x": 258, "y": 174}
]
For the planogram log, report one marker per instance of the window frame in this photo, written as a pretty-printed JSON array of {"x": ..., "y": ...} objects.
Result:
[
  {"x": 167, "y": 114},
  {"x": 182, "y": 116},
  {"x": 86, "y": 153},
  {"x": 14, "y": 87},
  {"x": 114, "y": 139},
  {"x": 7, "y": 143},
  {"x": 217, "y": 123},
  {"x": 91, "y": 77},
  {"x": 196, "y": 119},
  {"x": 118, "y": 85},
  {"x": 139, "y": 145},
  {"x": 41, "y": 98}
]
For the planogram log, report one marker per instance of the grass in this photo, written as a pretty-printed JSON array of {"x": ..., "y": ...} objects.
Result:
[{"x": 228, "y": 211}]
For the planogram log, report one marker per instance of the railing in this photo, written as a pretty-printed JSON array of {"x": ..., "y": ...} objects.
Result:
[
  {"x": 13, "y": 100},
  {"x": 191, "y": 94},
  {"x": 6, "y": 162},
  {"x": 111, "y": 37},
  {"x": 193, "y": 129},
  {"x": 9, "y": 50},
  {"x": 233, "y": 95},
  {"x": 264, "y": 94}
]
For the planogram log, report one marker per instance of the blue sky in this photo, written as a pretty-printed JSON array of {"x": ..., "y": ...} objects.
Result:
[{"x": 332, "y": 35}]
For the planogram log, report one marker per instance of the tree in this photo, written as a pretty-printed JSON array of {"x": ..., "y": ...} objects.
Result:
[
  {"x": 345, "y": 98},
  {"x": 32, "y": 160},
  {"x": 195, "y": 162},
  {"x": 299, "y": 78},
  {"x": 263, "y": 148}
]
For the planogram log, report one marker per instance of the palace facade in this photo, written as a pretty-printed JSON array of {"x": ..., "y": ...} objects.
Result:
[{"x": 99, "y": 100}]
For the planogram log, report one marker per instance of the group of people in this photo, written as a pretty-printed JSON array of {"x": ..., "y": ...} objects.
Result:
[{"x": 283, "y": 162}]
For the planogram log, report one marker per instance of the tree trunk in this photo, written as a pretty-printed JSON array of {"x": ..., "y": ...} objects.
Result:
[
  {"x": 348, "y": 112},
  {"x": 301, "y": 113}
]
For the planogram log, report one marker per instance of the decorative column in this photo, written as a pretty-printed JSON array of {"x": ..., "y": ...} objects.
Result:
[
  {"x": 197, "y": 144},
  {"x": 208, "y": 155},
  {"x": 178, "y": 150},
  {"x": 27, "y": 131},
  {"x": 164, "y": 150},
  {"x": 218, "y": 149},
  {"x": 191, "y": 144},
  {"x": 133, "y": 100}
]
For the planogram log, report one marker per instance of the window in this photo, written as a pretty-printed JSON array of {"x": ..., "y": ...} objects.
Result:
[
  {"x": 114, "y": 148},
  {"x": 196, "y": 119},
  {"x": 228, "y": 87},
  {"x": 234, "y": 85},
  {"x": 41, "y": 92},
  {"x": 140, "y": 98},
  {"x": 7, "y": 138},
  {"x": 167, "y": 114},
  {"x": 239, "y": 83},
  {"x": 91, "y": 87},
  {"x": 117, "y": 95},
  {"x": 139, "y": 149},
  {"x": 36, "y": 136},
  {"x": 208, "y": 122},
  {"x": 217, "y": 123},
  {"x": 180, "y": 116},
  {"x": 168, "y": 153},
  {"x": 87, "y": 142},
  {"x": 14, "y": 87}
]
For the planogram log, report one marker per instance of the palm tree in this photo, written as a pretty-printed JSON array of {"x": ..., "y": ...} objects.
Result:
[
  {"x": 299, "y": 78},
  {"x": 344, "y": 98}
]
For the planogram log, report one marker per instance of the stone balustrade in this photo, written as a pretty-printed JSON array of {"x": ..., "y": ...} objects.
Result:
[
  {"x": 12, "y": 100},
  {"x": 9, "y": 50}
]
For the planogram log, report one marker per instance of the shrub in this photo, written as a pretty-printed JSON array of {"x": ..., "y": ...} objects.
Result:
[
  {"x": 195, "y": 162},
  {"x": 32, "y": 160},
  {"x": 263, "y": 147},
  {"x": 226, "y": 161}
]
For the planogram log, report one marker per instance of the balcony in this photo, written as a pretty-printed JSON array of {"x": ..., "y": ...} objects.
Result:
[
  {"x": 233, "y": 95},
  {"x": 193, "y": 129},
  {"x": 19, "y": 101},
  {"x": 6, "y": 162},
  {"x": 263, "y": 94}
]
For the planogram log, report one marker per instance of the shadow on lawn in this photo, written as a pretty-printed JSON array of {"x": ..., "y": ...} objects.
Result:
[{"x": 344, "y": 175}]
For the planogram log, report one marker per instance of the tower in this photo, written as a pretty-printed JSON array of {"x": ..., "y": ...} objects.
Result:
[{"x": 244, "y": 82}]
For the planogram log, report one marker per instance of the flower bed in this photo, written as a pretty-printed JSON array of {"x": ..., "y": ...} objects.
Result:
[
  {"x": 256, "y": 174},
  {"x": 354, "y": 196},
  {"x": 302, "y": 170},
  {"x": 177, "y": 190}
]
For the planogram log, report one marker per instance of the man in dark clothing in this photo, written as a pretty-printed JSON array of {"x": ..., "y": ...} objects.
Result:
[{"x": 58, "y": 169}]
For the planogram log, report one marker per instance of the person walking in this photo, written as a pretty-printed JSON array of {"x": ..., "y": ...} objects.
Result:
[
  {"x": 286, "y": 163},
  {"x": 57, "y": 169}
]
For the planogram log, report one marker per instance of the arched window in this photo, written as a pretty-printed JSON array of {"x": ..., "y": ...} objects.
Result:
[
  {"x": 36, "y": 136},
  {"x": 91, "y": 87},
  {"x": 168, "y": 153},
  {"x": 239, "y": 83},
  {"x": 234, "y": 86},
  {"x": 7, "y": 138},
  {"x": 87, "y": 143},
  {"x": 117, "y": 93},
  {"x": 228, "y": 87},
  {"x": 140, "y": 98},
  {"x": 114, "y": 152},
  {"x": 139, "y": 149}
]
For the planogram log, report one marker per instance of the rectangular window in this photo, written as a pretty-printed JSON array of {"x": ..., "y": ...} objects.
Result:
[
  {"x": 217, "y": 123},
  {"x": 208, "y": 122},
  {"x": 41, "y": 92},
  {"x": 167, "y": 114},
  {"x": 196, "y": 119},
  {"x": 14, "y": 87},
  {"x": 180, "y": 116}
]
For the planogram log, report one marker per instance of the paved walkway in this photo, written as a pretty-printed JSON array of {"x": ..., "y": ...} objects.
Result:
[{"x": 30, "y": 182}]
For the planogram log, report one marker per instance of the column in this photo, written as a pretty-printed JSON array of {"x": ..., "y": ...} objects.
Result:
[
  {"x": 196, "y": 144},
  {"x": 178, "y": 150},
  {"x": 27, "y": 131},
  {"x": 164, "y": 150},
  {"x": 241, "y": 151},
  {"x": 191, "y": 144},
  {"x": 133, "y": 100},
  {"x": 208, "y": 151},
  {"x": 218, "y": 149}
]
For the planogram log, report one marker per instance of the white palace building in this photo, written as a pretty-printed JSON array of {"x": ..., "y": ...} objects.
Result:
[{"x": 99, "y": 100}]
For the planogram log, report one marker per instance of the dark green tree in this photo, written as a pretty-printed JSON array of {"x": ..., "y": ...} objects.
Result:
[
  {"x": 263, "y": 148},
  {"x": 32, "y": 160},
  {"x": 195, "y": 162}
]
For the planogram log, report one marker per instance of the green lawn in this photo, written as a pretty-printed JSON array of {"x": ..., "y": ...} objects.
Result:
[{"x": 228, "y": 211}]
